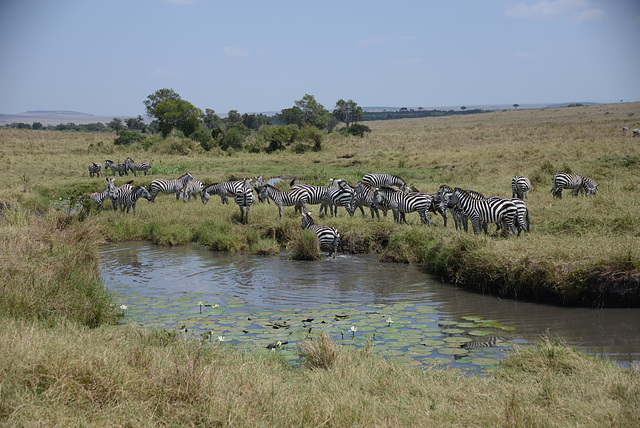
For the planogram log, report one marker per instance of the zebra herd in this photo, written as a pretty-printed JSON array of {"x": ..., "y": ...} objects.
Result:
[
  {"x": 378, "y": 192},
  {"x": 122, "y": 168}
]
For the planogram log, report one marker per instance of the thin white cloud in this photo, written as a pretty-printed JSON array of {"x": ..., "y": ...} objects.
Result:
[
  {"x": 579, "y": 10},
  {"x": 236, "y": 52},
  {"x": 374, "y": 42}
]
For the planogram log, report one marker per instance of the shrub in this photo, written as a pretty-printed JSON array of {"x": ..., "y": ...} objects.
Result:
[
  {"x": 126, "y": 138},
  {"x": 320, "y": 352},
  {"x": 233, "y": 138},
  {"x": 204, "y": 137},
  {"x": 358, "y": 130}
]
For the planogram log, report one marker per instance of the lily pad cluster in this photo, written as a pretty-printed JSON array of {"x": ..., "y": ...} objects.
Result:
[{"x": 415, "y": 334}]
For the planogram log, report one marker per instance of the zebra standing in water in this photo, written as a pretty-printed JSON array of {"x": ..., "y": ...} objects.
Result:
[
  {"x": 485, "y": 211},
  {"x": 565, "y": 180},
  {"x": 193, "y": 188},
  {"x": 169, "y": 186},
  {"x": 95, "y": 168},
  {"x": 289, "y": 198},
  {"x": 129, "y": 198},
  {"x": 385, "y": 180},
  {"x": 520, "y": 187},
  {"x": 328, "y": 236},
  {"x": 401, "y": 203},
  {"x": 243, "y": 196},
  {"x": 120, "y": 167},
  {"x": 137, "y": 166}
]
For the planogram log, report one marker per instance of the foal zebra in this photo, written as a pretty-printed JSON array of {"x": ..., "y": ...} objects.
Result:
[
  {"x": 98, "y": 197},
  {"x": 288, "y": 198},
  {"x": 128, "y": 199},
  {"x": 328, "y": 236},
  {"x": 137, "y": 166},
  {"x": 520, "y": 187},
  {"x": 120, "y": 167},
  {"x": 401, "y": 203},
  {"x": 95, "y": 168},
  {"x": 169, "y": 186},
  {"x": 385, "y": 180},
  {"x": 485, "y": 211},
  {"x": 193, "y": 188}
]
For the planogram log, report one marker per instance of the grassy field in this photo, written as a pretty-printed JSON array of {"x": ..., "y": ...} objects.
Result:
[{"x": 64, "y": 361}]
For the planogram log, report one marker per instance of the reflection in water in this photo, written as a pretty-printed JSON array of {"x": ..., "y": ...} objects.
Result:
[{"x": 278, "y": 283}]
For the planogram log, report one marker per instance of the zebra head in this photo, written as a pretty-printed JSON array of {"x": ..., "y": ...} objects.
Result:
[
  {"x": 111, "y": 186},
  {"x": 379, "y": 198},
  {"x": 143, "y": 193},
  {"x": 205, "y": 196},
  {"x": 306, "y": 220}
]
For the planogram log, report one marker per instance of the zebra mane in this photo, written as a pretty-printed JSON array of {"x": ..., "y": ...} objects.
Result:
[{"x": 292, "y": 181}]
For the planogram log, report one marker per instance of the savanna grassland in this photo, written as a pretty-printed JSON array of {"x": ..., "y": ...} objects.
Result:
[{"x": 65, "y": 361}]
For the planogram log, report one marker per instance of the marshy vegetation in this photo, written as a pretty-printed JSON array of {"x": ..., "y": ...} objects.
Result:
[{"x": 64, "y": 362}]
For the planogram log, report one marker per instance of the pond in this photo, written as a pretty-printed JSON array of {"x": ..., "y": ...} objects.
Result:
[{"x": 271, "y": 303}]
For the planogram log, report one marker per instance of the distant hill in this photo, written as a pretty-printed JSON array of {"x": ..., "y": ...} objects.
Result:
[{"x": 54, "y": 117}]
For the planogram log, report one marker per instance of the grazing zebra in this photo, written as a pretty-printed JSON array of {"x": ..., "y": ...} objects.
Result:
[
  {"x": 137, "y": 166},
  {"x": 385, "y": 180},
  {"x": 169, "y": 186},
  {"x": 120, "y": 167},
  {"x": 288, "y": 198},
  {"x": 224, "y": 190},
  {"x": 95, "y": 168},
  {"x": 243, "y": 196},
  {"x": 193, "y": 188},
  {"x": 339, "y": 193},
  {"x": 328, "y": 236},
  {"x": 636, "y": 132},
  {"x": 401, "y": 203},
  {"x": 589, "y": 187},
  {"x": 520, "y": 187},
  {"x": 114, "y": 192},
  {"x": 363, "y": 196},
  {"x": 128, "y": 199},
  {"x": 485, "y": 211},
  {"x": 565, "y": 180},
  {"x": 625, "y": 129}
]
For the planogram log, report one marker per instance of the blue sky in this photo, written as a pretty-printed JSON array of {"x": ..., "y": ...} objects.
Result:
[{"x": 105, "y": 57}]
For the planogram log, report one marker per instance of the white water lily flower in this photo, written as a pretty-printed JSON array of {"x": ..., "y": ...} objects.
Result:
[
  {"x": 124, "y": 307},
  {"x": 354, "y": 328},
  {"x": 389, "y": 320},
  {"x": 221, "y": 338},
  {"x": 200, "y": 303},
  {"x": 216, "y": 306}
]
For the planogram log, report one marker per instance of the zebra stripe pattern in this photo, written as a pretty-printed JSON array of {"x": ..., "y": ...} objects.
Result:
[
  {"x": 137, "y": 166},
  {"x": 589, "y": 186},
  {"x": 328, "y": 236},
  {"x": 120, "y": 167},
  {"x": 129, "y": 197},
  {"x": 288, "y": 199},
  {"x": 489, "y": 342},
  {"x": 401, "y": 203},
  {"x": 315, "y": 194},
  {"x": 114, "y": 192},
  {"x": 363, "y": 196},
  {"x": 224, "y": 190},
  {"x": 193, "y": 188},
  {"x": 243, "y": 196},
  {"x": 95, "y": 168},
  {"x": 485, "y": 211},
  {"x": 338, "y": 194},
  {"x": 524, "y": 222},
  {"x": 169, "y": 186},
  {"x": 98, "y": 197},
  {"x": 520, "y": 187},
  {"x": 565, "y": 180},
  {"x": 385, "y": 180}
]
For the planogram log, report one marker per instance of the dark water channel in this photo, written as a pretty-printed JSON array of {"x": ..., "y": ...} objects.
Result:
[{"x": 256, "y": 301}]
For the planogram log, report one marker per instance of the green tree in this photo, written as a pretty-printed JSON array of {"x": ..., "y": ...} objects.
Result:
[
  {"x": 179, "y": 114},
  {"x": 515, "y": 106},
  {"x": 135, "y": 123},
  {"x": 211, "y": 120},
  {"x": 116, "y": 124},
  {"x": 348, "y": 112},
  {"x": 36, "y": 125},
  {"x": 156, "y": 98},
  {"x": 308, "y": 111}
]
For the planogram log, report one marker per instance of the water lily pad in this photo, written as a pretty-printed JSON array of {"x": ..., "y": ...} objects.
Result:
[
  {"x": 447, "y": 323},
  {"x": 472, "y": 318},
  {"x": 453, "y": 351},
  {"x": 480, "y": 332},
  {"x": 453, "y": 331}
]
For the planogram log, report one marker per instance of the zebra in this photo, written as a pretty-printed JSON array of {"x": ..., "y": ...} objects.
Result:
[
  {"x": 120, "y": 167},
  {"x": 564, "y": 180},
  {"x": 520, "y": 187},
  {"x": 487, "y": 342},
  {"x": 114, "y": 192},
  {"x": 401, "y": 203},
  {"x": 338, "y": 193},
  {"x": 524, "y": 221},
  {"x": 636, "y": 132},
  {"x": 434, "y": 207},
  {"x": 485, "y": 211},
  {"x": 287, "y": 198},
  {"x": 328, "y": 236},
  {"x": 589, "y": 187},
  {"x": 315, "y": 194},
  {"x": 137, "y": 166},
  {"x": 169, "y": 186},
  {"x": 192, "y": 188},
  {"x": 625, "y": 129},
  {"x": 128, "y": 198},
  {"x": 95, "y": 168},
  {"x": 224, "y": 190},
  {"x": 440, "y": 199},
  {"x": 98, "y": 197},
  {"x": 363, "y": 195},
  {"x": 385, "y": 180},
  {"x": 243, "y": 196},
  {"x": 258, "y": 183}
]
